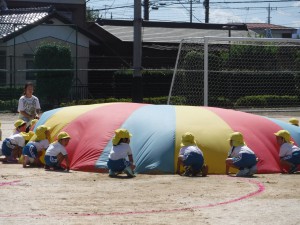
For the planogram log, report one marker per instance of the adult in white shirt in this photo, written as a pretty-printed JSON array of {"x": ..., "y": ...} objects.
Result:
[{"x": 29, "y": 106}]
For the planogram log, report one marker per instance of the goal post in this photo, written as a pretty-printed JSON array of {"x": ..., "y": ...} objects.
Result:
[{"x": 235, "y": 72}]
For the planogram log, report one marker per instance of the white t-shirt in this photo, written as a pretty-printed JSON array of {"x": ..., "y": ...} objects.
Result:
[
  {"x": 55, "y": 148},
  {"x": 40, "y": 145},
  {"x": 29, "y": 105},
  {"x": 239, "y": 150},
  {"x": 287, "y": 149},
  {"x": 185, "y": 150},
  {"x": 120, "y": 151},
  {"x": 17, "y": 139}
]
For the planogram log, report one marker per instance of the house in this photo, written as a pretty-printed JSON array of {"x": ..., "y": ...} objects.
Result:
[
  {"x": 23, "y": 30},
  {"x": 160, "y": 40},
  {"x": 271, "y": 30},
  {"x": 73, "y": 10}
]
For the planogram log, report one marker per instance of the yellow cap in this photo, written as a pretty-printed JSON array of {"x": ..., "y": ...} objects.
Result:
[
  {"x": 63, "y": 135},
  {"x": 237, "y": 139},
  {"x": 33, "y": 122},
  {"x": 119, "y": 134},
  {"x": 27, "y": 136},
  {"x": 285, "y": 135},
  {"x": 188, "y": 139},
  {"x": 40, "y": 133},
  {"x": 294, "y": 121},
  {"x": 19, "y": 123}
]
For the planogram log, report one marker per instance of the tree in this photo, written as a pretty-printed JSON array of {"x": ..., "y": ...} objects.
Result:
[{"x": 55, "y": 85}]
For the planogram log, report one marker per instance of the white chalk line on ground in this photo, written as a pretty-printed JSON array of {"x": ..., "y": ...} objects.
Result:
[{"x": 260, "y": 188}]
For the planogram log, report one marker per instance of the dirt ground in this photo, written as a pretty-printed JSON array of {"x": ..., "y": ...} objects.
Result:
[{"x": 35, "y": 196}]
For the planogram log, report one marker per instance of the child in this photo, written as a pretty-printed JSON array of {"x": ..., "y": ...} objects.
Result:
[
  {"x": 117, "y": 159},
  {"x": 289, "y": 153},
  {"x": 34, "y": 148},
  {"x": 12, "y": 146},
  {"x": 29, "y": 105},
  {"x": 33, "y": 123},
  {"x": 56, "y": 153},
  {"x": 191, "y": 157},
  {"x": 20, "y": 126},
  {"x": 241, "y": 157},
  {"x": 294, "y": 121}
]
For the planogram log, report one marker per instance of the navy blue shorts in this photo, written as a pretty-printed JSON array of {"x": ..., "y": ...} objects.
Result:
[
  {"x": 294, "y": 158},
  {"x": 7, "y": 147},
  {"x": 30, "y": 150},
  {"x": 117, "y": 165},
  {"x": 51, "y": 161},
  {"x": 194, "y": 160},
  {"x": 244, "y": 160}
]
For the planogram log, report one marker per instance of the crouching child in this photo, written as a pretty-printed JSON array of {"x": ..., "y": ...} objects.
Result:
[
  {"x": 12, "y": 146},
  {"x": 191, "y": 157},
  {"x": 35, "y": 147},
  {"x": 241, "y": 157},
  {"x": 56, "y": 153},
  {"x": 117, "y": 159}
]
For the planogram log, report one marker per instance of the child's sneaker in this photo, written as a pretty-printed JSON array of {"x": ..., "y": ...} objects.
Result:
[
  {"x": 187, "y": 171},
  {"x": 112, "y": 174},
  {"x": 204, "y": 170},
  {"x": 129, "y": 172},
  {"x": 252, "y": 170},
  {"x": 293, "y": 169},
  {"x": 243, "y": 173},
  {"x": 46, "y": 167},
  {"x": 58, "y": 168}
]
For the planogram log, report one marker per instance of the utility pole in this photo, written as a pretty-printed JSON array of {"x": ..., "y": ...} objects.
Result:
[
  {"x": 191, "y": 11},
  {"x": 206, "y": 7},
  {"x": 269, "y": 12},
  {"x": 146, "y": 9},
  {"x": 137, "y": 85}
]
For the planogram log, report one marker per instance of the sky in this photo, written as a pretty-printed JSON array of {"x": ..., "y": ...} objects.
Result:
[{"x": 282, "y": 12}]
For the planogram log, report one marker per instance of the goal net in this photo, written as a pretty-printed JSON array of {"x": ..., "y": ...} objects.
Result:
[{"x": 237, "y": 73}]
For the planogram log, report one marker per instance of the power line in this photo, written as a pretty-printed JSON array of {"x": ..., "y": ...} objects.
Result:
[{"x": 264, "y": 1}]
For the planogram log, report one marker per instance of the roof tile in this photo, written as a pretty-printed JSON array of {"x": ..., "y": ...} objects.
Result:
[{"x": 13, "y": 20}]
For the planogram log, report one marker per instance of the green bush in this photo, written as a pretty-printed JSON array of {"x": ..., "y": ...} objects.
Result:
[
  {"x": 156, "y": 101},
  {"x": 9, "y": 105},
  {"x": 53, "y": 86},
  {"x": 267, "y": 101},
  {"x": 220, "y": 102}
]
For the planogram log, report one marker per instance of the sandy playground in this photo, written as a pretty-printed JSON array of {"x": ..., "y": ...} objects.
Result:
[{"x": 35, "y": 196}]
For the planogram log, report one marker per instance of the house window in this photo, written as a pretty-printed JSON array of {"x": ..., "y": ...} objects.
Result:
[
  {"x": 30, "y": 75},
  {"x": 2, "y": 68},
  {"x": 287, "y": 35}
]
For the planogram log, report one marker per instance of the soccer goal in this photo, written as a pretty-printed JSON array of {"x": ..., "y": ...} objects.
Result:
[{"x": 237, "y": 73}]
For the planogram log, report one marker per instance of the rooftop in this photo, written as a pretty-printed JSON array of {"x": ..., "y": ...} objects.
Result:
[{"x": 13, "y": 20}]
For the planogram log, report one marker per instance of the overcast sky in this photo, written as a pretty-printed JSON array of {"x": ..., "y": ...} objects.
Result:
[{"x": 282, "y": 12}]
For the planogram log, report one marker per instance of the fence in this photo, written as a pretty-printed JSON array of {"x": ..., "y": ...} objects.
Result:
[{"x": 237, "y": 72}]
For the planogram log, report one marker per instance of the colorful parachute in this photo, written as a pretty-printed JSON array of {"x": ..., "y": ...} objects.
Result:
[{"x": 156, "y": 134}]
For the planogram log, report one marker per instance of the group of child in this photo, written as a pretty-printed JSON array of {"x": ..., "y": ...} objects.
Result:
[
  {"x": 28, "y": 146},
  {"x": 240, "y": 156},
  {"x": 34, "y": 148}
]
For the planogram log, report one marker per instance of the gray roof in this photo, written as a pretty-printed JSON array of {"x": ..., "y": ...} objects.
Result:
[
  {"x": 170, "y": 35},
  {"x": 13, "y": 20}
]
